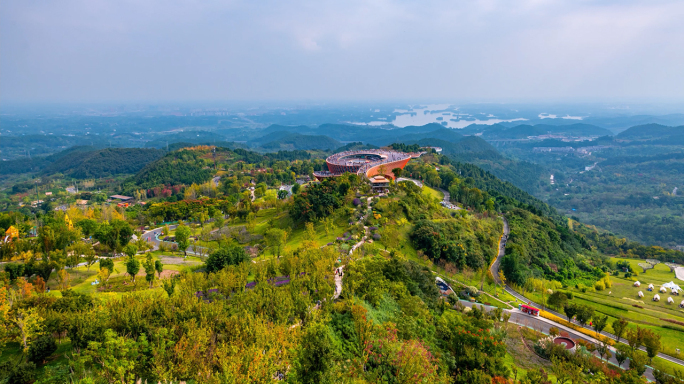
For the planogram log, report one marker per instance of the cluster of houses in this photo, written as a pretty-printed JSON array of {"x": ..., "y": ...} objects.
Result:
[{"x": 674, "y": 290}]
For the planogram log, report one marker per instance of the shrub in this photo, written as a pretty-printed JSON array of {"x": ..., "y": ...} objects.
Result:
[
  {"x": 224, "y": 257},
  {"x": 42, "y": 348},
  {"x": 607, "y": 282},
  {"x": 473, "y": 291},
  {"x": 20, "y": 373},
  {"x": 599, "y": 286},
  {"x": 553, "y": 331}
]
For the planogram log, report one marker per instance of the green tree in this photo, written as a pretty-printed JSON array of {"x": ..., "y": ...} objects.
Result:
[
  {"x": 130, "y": 250},
  {"x": 219, "y": 222},
  {"x": 183, "y": 238},
  {"x": 107, "y": 263},
  {"x": 584, "y": 314},
  {"x": 570, "y": 310},
  {"x": 159, "y": 267},
  {"x": 132, "y": 267},
  {"x": 315, "y": 357},
  {"x": 115, "y": 234},
  {"x": 619, "y": 327},
  {"x": 635, "y": 338},
  {"x": 637, "y": 363},
  {"x": 557, "y": 300},
  {"x": 149, "y": 269},
  {"x": 652, "y": 344},
  {"x": 282, "y": 194},
  {"x": 275, "y": 238},
  {"x": 603, "y": 349},
  {"x": 88, "y": 227},
  {"x": 600, "y": 323},
  {"x": 622, "y": 353},
  {"x": 224, "y": 257},
  {"x": 397, "y": 172}
]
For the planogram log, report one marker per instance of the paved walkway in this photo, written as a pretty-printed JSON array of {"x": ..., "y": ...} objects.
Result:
[
  {"x": 416, "y": 182},
  {"x": 338, "y": 283},
  {"x": 363, "y": 219}
]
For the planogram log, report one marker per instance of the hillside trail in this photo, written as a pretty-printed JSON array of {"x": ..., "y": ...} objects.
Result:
[{"x": 338, "y": 277}]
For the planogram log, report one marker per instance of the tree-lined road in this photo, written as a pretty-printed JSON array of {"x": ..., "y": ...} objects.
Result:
[{"x": 495, "y": 272}]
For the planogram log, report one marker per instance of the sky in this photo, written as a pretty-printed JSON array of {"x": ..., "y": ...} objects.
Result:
[{"x": 451, "y": 50}]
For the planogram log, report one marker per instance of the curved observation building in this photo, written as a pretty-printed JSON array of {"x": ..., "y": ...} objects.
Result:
[{"x": 368, "y": 162}]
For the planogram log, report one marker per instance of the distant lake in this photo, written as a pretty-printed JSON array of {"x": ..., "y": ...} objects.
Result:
[{"x": 439, "y": 114}]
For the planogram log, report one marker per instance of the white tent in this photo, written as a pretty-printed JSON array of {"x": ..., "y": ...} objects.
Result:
[
  {"x": 670, "y": 300},
  {"x": 672, "y": 286},
  {"x": 656, "y": 298},
  {"x": 637, "y": 284},
  {"x": 663, "y": 290},
  {"x": 641, "y": 294},
  {"x": 650, "y": 287}
]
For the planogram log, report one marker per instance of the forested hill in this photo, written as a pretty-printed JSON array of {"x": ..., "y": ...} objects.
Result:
[
  {"x": 504, "y": 190},
  {"x": 185, "y": 166},
  {"x": 35, "y": 164},
  {"x": 474, "y": 150},
  {"x": 103, "y": 162},
  {"x": 197, "y": 165},
  {"x": 83, "y": 162},
  {"x": 650, "y": 131}
]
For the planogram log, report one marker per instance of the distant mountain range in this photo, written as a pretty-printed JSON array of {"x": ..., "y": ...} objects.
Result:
[{"x": 650, "y": 131}]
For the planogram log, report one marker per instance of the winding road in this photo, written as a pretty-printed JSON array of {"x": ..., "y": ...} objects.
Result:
[{"x": 575, "y": 334}]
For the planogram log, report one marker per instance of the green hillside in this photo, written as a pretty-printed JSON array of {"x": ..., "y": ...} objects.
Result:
[
  {"x": 650, "y": 131},
  {"x": 103, "y": 162}
]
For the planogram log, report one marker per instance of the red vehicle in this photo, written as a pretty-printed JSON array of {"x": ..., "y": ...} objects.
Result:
[{"x": 529, "y": 310}]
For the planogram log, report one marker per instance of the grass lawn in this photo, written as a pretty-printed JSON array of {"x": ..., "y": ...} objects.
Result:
[
  {"x": 432, "y": 192},
  {"x": 81, "y": 278}
]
